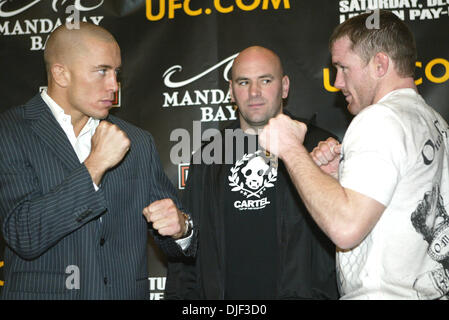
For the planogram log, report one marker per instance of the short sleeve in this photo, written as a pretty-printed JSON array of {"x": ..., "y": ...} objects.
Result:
[{"x": 374, "y": 152}]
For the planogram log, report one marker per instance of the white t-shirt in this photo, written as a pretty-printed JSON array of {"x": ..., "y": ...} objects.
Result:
[{"x": 396, "y": 152}]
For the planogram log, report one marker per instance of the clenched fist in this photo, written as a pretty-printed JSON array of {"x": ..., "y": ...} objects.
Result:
[
  {"x": 167, "y": 219},
  {"x": 109, "y": 146},
  {"x": 327, "y": 156},
  {"x": 281, "y": 135}
]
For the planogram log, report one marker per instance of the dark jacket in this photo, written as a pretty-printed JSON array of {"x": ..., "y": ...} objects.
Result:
[
  {"x": 307, "y": 257},
  {"x": 49, "y": 212}
]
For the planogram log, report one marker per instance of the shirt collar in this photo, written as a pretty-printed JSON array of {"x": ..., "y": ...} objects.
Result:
[{"x": 62, "y": 118}]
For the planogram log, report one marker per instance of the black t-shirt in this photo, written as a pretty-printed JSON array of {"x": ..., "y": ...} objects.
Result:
[{"x": 251, "y": 245}]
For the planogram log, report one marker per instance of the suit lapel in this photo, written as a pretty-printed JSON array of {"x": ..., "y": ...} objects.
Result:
[{"x": 48, "y": 129}]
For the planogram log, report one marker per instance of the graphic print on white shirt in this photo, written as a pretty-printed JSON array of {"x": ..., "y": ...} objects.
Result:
[
  {"x": 397, "y": 153},
  {"x": 251, "y": 176},
  {"x": 430, "y": 219}
]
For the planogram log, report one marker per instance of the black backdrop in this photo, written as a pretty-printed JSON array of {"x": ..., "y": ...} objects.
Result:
[{"x": 176, "y": 54}]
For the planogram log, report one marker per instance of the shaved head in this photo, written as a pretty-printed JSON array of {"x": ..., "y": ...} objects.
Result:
[
  {"x": 257, "y": 52},
  {"x": 258, "y": 86},
  {"x": 82, "y": 66},
  {"x": 64, "y": 44}
]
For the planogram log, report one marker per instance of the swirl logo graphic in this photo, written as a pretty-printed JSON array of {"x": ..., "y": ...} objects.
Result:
[
  {"x": 78, "y": 6},
  {"x": 177, "y": 68}
]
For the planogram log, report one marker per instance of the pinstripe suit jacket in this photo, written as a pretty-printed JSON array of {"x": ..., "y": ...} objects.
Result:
[{"x": 50, "y": 212}]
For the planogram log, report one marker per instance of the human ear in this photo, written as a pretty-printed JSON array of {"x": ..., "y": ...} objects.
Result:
[
  {"x": 285, "y": 87},
  {"x": 381, "y": 64},
  {"x": 231, "y": 92},
  {"x": 60, "y": 74}
]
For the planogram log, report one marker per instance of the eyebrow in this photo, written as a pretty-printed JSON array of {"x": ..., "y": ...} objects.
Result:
[
  {"x": 337, "y": 64},
  {"x": 268, "y": 75},
  {"x": 106, "y": 66}
]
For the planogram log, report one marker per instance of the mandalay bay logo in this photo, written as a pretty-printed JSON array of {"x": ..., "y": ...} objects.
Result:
[
  {"x": 39, "y": 28},
  {"x": 215, "y": 104}
]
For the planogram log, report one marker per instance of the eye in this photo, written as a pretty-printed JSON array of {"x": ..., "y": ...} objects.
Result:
[
  {"x": 266, "y": 81},
  {"x": 102, "y": 71},
  {"x": 243, "y": 82}
]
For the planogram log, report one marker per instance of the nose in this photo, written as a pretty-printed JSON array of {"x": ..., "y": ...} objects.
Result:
[
  {"x": 339, "y": 80},
  {"x": 112, "y": 83},
  {"x": 254, "y": 89}
]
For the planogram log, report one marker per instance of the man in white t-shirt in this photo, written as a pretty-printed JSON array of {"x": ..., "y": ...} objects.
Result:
[{"x": 383, "y": 195}]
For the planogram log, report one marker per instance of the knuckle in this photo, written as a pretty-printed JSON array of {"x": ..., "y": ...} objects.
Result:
[
  {"x": 108, "y": 126},
  {"x": 166, "y": 203},
  {"x": 123, "y": 134},
  {"x": 170, "y": 205},
  {"x": 151, "y": 218}
]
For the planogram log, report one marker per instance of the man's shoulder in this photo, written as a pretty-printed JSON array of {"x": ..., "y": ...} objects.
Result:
[
  {"x": 398, "y": 103},
  {"x": 12, "y": 112},
  {"x": 30, "y": 109},
  {"x": 12, "y": 118}
]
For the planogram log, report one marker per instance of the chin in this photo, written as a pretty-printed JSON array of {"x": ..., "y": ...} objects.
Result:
[
  {"x": 354, "y": 109},
  {"x": 101, "y": 115},
  {"x": 258, "y": 120}
]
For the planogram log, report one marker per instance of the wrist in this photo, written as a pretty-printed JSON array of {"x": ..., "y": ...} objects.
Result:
[
  {"x": 293, "y": 153},
  {"x": 95, "y": 172}
]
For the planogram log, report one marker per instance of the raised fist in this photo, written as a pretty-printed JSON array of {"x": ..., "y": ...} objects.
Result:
[
  {"x": 108, "y": 147},
  {"x": 167, "y": 219},
  {"x": 327, "y": 156}
]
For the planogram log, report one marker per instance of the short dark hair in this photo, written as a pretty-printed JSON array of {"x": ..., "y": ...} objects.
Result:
[{"x": 392, "y": 37}]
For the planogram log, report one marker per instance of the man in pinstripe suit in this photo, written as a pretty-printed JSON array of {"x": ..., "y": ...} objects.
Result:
[{"x": 74, "y": 182}]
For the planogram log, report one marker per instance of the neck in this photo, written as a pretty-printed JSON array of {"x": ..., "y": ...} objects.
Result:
[
  {"x": 395, "y": 84},
  {"x": 78, "y": 119},
  {"x": 79, "y": 124},
  {"x": 255, "y": 129}
]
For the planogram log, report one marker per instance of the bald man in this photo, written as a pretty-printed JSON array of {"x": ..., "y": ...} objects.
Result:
[
  {"x": 256, "y": 239},
  {"x": 80, "y": 188}
]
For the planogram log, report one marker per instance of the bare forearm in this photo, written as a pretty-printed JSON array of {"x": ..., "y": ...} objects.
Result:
[
  {"x": 324, "y": 197},
  {"x": 95, "y": 170},
  {"x": 345, "y": 215}
]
